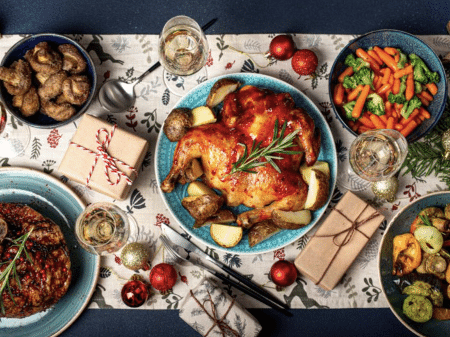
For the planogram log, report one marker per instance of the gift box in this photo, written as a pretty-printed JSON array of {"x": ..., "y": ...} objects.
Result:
[
  {"x": 338, "y": 241},
  {"x": 104, "y": 157},
  {"x": 211, "y": 312}
]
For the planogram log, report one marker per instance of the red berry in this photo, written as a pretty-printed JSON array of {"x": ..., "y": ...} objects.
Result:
[{"x": 304, "y": 62}]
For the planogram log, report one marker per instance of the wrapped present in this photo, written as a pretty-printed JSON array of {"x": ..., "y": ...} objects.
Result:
[
  {"x": 104, "y": 157},
  {"x": 211, "y": 312},
  {"x": 338, "y": 241}
]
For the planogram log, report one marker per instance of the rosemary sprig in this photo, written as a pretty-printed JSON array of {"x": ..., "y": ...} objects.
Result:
[
  {"x": 247, "y": 162},
  {"x": 11, "y": 268}
]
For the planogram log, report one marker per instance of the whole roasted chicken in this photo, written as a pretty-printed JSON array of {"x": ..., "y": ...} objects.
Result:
[{"x": 249, "y": 116}]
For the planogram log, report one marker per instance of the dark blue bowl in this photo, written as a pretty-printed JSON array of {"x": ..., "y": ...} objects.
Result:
[
  {"x": 408, "y": 44},
  {"x": 18, "y": 51}
]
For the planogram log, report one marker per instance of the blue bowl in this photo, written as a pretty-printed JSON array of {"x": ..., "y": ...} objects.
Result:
[
  {"x": 408, "y": 44},
  {"x": 400, "y": 224},
  {"x": 18, "y": 51}
]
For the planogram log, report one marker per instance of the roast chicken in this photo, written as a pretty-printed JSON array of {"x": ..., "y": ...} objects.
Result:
[{"x": 249, "y": 114}]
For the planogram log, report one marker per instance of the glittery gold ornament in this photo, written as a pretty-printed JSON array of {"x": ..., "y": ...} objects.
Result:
[
  {"x": 445, "y": 139},
  {"x": 386, "y": 189},
  {"x": 135, "y": 256}
]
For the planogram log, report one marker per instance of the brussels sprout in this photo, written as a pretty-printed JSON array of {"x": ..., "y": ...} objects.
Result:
[
  {"x": 418, "y": 308},
  {"x": 430, "y": 239}
]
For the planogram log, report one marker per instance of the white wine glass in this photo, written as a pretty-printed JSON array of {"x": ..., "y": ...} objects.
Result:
[
  {"x": 14, "y": 135},
  {"x": 183, "y": 52},
  {"x": 104, "y": 228},
  {"x": 374, "y": 155}
]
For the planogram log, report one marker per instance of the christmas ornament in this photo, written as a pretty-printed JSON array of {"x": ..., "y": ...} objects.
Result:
[
  {"x": 282, "y": 47},
  {"x": 163, "y": 277},
  {"x": 135, "y": 256},
  {"x": 283, "y": 273},
  {"x": 135, "y": 292},
  {"x": 304, "y": 62},
  {"x": 446, "y": 144},
  {"x": 386, "y": 189}
]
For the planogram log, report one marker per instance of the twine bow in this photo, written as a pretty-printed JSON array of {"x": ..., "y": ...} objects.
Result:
[
  {"x": 224, "y": 327},
  {"x": 109, "y": 161},
  {"x": 349, "y": 232}
]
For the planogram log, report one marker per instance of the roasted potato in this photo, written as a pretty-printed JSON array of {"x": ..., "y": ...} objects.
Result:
[
  {"x": 291, "y": 220},
  {"x": 177, "y": 123},
  {"x": 226, "y": 236},
  {"x": 220, "y": 89},
  {"x": 262, "y": 231},
  {"x": 202, "y": 206},
  {"x": 194, "y": 171},
  {"x": 223, "y": 216},
  {"x": 305, "y": 170},
  {"x": 203, "y": 115},
  {"x": 318, "y": 190}
]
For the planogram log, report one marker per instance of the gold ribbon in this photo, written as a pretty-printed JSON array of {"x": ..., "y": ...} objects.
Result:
[
  {"x": 348, "y": 236},
  {"x": 224, "y": 327}
]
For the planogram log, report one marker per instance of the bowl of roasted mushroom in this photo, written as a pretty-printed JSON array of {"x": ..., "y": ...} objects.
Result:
[
  {"x": 47, "y": 80},
  {"x": 414, "y": 265}
]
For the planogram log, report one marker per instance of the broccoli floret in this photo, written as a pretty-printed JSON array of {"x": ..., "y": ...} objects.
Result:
[
  {"x": 409, "y": 107},
  {"x": 417, "y": 87},
  {"x": 422, "y": 73},
  {"x": 375, "y": 104},
  {"x": 348, "y": 108},
  {"x": 364, "y": 76},
  {"x": 402, "y": 60},
  {"x": 356, "y": 63},
  {"x": 349, "y": 82}
]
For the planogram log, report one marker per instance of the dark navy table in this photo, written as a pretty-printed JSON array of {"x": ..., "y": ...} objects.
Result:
[{"x": 235, "y": 16}]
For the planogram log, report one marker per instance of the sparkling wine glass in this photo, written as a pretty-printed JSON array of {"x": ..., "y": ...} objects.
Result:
[
  {"x": 374, "y": 155},
  {"x": 14, "y": 135},
  {"x": 103, "y": 228},
  {"x": 183, "y": 51}
]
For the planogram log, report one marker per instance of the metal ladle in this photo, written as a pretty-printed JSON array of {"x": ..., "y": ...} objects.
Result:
[{"x": 117, "y": 95}]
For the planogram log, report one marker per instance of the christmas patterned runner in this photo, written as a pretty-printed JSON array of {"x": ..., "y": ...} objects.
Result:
[{"x": 126, "y": 57}]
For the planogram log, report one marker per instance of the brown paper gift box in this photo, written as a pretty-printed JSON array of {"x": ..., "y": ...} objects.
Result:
[
  {"x": 336, "y": 243},
  {"x": 127, "y": 148}
]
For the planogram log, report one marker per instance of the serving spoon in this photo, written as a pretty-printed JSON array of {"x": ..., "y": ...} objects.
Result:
[{"x": 117, "y": 95}]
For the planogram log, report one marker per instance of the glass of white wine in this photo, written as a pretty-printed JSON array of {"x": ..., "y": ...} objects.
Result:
[
  {"x": 183, "y": 52},
  {"x": 374, "y": 155},
  {"x": 14, "y": 136},
  {"x": 103, "y": 228}
]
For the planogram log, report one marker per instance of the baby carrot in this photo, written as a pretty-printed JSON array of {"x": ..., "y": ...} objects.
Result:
[
  {"x": 365, "y": 120},
  {"x": 366, "y": 57},
  {"x": 398, "y": 126},
  {"x": 386, "y": 74},
  {"x": 423, "y": 100},
  {"x": 391, "y": 51},
  {"x": 390, "y": 123},
  {"x": 396, "y": 58},
  {"x": 338, "y": 96},
  {"x": 405, "y": 71},
  {"x": 409, "y": 92},
  {"x": 357, "y": 109},
  {"x": 427, "y": 96},
  {"x": 388, "y": 107},
  {"x": 432, "y": 87},
  {"x": 354, "y": 94},
  {"x": 396, "y": 86},
  {"x": 347, "y": 72},
  {"x": 383, "y": 88},
  {"x": 424, "y": 113},
  {"x": 375, "y": 57},
  {"x": 376, "y": 120},
  {"x": 409, "y": 128},
  {"x": 384, "y": 118},
  {"x": 388, "y": 59}
]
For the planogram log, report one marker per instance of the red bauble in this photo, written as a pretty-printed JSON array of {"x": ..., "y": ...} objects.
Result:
[
  {"x": 304, "y": 62},
  {"x": 163, "y": 277},
  {"x": 135, "y": 293},
  {"x": 282, "y": 47},
  {"x": 283, "y": 273}
]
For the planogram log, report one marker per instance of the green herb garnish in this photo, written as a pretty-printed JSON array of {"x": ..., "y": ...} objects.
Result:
[
  {"x": 247, "y": 162},
  {"x": 10, "y": 270}
]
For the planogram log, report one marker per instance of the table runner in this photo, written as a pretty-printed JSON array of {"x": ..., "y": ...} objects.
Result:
[{"x": 128, "y": 56}]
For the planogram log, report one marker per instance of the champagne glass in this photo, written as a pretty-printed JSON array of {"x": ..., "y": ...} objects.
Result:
[
  {"x": 14, "y": 135},
  {"x": 103, "y": 228},
  {"x": 183, "y": 51},
  {"x": 374, "y": 155}
]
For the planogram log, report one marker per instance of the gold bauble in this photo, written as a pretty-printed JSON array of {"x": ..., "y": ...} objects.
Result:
[
  {"x": 445, "y": 139},
  {"x": 386, "y": 189},
  {"x": 135, "y": 256}
]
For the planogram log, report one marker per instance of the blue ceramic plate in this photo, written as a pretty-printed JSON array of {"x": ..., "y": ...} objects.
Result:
[
  {"x": 400, "y": 224},
  {"x": 408, "y": 44},
  {"x": 164, "y": 159},
  {"x": 56, "y": 201},
  {"x": 18, "y": 51}
]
